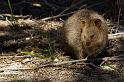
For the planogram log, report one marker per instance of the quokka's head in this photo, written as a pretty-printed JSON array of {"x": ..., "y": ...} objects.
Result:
[{"x": 94, "y": 31}]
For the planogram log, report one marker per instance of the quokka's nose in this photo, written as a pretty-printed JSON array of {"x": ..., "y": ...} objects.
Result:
[{"x": 88, "y": 43}]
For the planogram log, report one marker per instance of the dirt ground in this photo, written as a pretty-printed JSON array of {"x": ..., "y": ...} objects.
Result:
[{"x": 30, "y": 48}]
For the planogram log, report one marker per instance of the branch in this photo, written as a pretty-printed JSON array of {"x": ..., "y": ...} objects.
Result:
[
  {"x": 116, "y": 35},
  {"x": 57, "y": 16},
  {"x": 117, "y": 58}
]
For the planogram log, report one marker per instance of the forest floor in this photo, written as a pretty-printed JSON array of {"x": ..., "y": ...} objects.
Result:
[{"x": 30, "y": 51}]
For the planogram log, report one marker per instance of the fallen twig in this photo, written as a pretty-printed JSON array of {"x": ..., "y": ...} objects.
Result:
[
  {"x": 4, "y": 16},
  {"x": 57, "y": 16},
  {"x": 6, "y": 24},
  {"x": 117, "y": 58},
  {"x": 53, "y": 6},
  {"x": 73, "y": 5},
  {"x": 5, "y": 57},
  {"x": 116, "y": 35}
]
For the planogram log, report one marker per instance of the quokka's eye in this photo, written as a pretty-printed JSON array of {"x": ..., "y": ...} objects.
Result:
[
  {"x": 98, "y": 22},
  {"x": 83, "y": 23}
]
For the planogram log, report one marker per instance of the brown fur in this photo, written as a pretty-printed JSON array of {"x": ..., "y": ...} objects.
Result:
[{"x": 85, "y": 34}]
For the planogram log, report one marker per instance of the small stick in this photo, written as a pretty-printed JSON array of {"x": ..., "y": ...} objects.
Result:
[
  {"x": 118, "y": 58},
  {"x": 57, "y": 16},
  {"x": 73, "y": 5},
  {"x": 116, "y": 35}
]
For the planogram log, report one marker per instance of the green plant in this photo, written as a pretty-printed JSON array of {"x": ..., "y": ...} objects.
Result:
[
  {"x": 49, "y": 52},
  {"x": 50, "y": 49},
  {"x": 34, "y": 54}
]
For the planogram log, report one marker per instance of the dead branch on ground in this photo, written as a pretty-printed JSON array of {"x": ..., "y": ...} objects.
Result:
[{"x": 116, "y": 58}]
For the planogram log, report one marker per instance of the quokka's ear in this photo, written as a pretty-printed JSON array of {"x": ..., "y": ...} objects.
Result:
[{"x": 98, "y": 22}]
